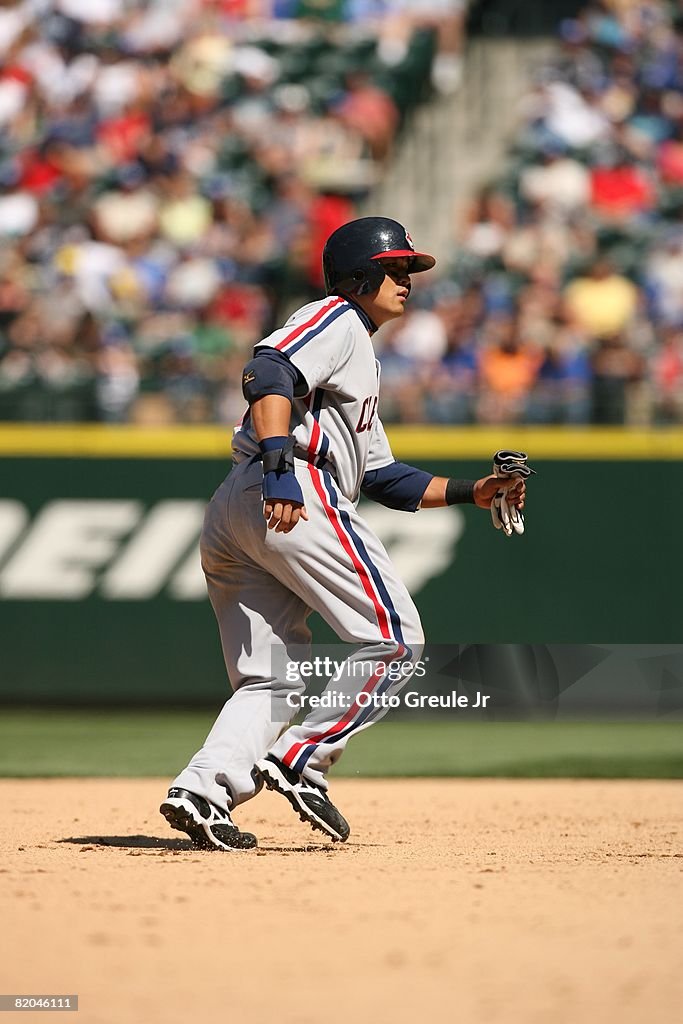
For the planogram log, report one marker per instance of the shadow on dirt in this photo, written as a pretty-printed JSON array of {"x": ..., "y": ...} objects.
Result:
[
  {"x": 155, "y": 843},
  {"x": 131, "y": 842}
]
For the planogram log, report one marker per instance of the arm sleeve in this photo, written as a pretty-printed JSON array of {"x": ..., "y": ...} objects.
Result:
[
  {"x": 271, "y": 373},
  {"x": 389, "y": 482},
  {"x": 396, "y": 486}
]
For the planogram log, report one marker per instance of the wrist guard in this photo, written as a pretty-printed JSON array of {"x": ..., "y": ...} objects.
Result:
[
  {"x": 279, "y": 480},
  {"x": 277, "y": 454},
  {"x": 460, "y": 492}
]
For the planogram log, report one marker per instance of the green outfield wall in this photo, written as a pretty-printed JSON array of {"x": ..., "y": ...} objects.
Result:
[{"x": 102, "y": 598}]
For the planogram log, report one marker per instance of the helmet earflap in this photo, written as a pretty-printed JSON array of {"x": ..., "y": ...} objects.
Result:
[
  {"x": 368, "y": 279},
  {"x": 360, "y": 281}
]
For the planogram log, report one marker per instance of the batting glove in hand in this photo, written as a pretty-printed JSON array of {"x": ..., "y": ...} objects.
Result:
[{"x": 509, "y": 466}]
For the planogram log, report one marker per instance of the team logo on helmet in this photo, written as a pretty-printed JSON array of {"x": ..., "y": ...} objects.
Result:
[{"x": 410, "y": 241}]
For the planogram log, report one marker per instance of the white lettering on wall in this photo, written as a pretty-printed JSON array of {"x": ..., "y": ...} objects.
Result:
[
  {"x": 143, "y": 567},
  {"x": 67, "y": 544}
]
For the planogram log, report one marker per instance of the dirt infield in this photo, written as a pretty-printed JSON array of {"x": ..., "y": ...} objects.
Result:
[{"x": 477, "y": 901}]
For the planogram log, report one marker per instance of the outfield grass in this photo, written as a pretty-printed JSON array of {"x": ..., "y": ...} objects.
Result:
[{"x": 159, "y": 743}]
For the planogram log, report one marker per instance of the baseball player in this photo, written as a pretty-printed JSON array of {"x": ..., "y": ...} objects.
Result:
[{"x": 282, "y": 537}]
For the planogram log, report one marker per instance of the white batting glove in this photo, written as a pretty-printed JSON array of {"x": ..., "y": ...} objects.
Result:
[{"x": 509, "y": 466}]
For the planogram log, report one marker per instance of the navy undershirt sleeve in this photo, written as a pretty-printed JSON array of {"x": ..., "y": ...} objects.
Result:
[{"x": 396, "y": 486}]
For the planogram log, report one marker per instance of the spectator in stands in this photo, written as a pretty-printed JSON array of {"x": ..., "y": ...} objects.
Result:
[
  {"x": 370, "y": 112},
  {"x": 603, "y": 303},
  {"x": 667, "y": 372},
  {"x": 620, "y": 189},
  {"x": 663, "y": 278},
  {"x": 617, "y": 369},
  {"x": 402, "y": 390},
  {"x": 488, "y": 220},
  {"x": 562, "y": 392},
  {"x": 508, "y": 368},
  {"x": 557, "y": 183}
]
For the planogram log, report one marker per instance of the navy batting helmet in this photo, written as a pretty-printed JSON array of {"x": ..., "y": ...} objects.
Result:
[{"x": 351, "y": 251}]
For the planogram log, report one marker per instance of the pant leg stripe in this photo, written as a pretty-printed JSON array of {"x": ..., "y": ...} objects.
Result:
[
  {"x": 382, "y": 591},
  {"x": 351, "y": 720},
  {"x": 334, "y": 518}
]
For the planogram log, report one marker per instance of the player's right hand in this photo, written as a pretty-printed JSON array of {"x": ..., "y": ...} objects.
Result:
[
  {"x": 283, "y": 501},
  {"x": 282, "y": 516}
]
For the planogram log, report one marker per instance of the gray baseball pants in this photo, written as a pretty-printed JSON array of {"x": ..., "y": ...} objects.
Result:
[{"x": 263, "y": 585}]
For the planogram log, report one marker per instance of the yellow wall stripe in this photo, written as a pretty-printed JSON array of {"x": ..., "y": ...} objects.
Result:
[{"x": 408, "y": 442}]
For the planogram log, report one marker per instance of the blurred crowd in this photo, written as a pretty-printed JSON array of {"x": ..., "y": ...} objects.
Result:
[
  {"x": 169, "y": 170},
  {"x": 563, "y": 302}
]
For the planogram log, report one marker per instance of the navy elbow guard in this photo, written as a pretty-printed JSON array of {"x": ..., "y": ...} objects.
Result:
[{"x": 270, "y": 373}]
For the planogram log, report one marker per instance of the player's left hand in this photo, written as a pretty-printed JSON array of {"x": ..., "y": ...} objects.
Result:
[
  {"x": 488, "y": 487},
  {"x": 510, "y": 471}
]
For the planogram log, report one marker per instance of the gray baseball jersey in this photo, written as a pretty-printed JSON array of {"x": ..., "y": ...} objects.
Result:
[
  {"x": 336, "y": 424},
  {"x": 263, "y": 584}
]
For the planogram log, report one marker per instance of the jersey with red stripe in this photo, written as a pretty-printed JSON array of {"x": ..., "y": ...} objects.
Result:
[{"x": 335, "y": 425}]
